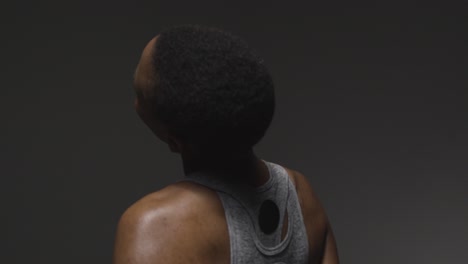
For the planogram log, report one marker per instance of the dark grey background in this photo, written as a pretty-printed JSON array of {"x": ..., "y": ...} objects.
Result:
[{"x": 371, "y": 107}]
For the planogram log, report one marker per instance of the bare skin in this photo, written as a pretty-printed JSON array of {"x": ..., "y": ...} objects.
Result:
[{"x": 185, "y": 222}]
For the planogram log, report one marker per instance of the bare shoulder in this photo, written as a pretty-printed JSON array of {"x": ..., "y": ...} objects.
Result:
[
  {"x": 315, "y": 217},
  {"x": 182, "y": 217}
]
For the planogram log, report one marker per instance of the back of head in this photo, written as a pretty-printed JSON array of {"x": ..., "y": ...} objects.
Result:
[{"x": 210, "y": 89}]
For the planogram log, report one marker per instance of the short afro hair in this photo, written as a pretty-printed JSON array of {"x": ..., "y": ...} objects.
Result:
[{"x": 210, "y": 88}]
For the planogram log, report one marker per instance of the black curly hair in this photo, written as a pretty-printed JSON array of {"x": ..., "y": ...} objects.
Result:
[{"x": 210, "y": 89}]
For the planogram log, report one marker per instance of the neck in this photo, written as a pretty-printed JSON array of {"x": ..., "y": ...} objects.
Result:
[{"x": 241, "y": 168}]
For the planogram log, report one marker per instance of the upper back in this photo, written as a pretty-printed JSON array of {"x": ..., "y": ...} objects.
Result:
[
  {"x": 265, "y": 223},
  {"x": 191, "y": 218}
]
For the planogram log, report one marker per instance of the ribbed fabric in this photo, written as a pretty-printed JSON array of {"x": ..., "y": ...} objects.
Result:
[{"x": 241, "y": 206}]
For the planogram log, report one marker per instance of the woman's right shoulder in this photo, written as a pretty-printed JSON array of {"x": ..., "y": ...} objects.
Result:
[{"x": 314, "y": 215}]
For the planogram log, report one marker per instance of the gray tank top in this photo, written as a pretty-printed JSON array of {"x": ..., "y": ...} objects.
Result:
[{"x": 255, "y": 238}]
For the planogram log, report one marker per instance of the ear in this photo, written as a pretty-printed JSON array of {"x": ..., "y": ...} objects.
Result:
[{"x": 175, "y": 145}]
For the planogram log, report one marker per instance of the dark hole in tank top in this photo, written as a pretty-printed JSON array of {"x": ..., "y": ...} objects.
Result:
[{"x": 269, "y": 216}]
